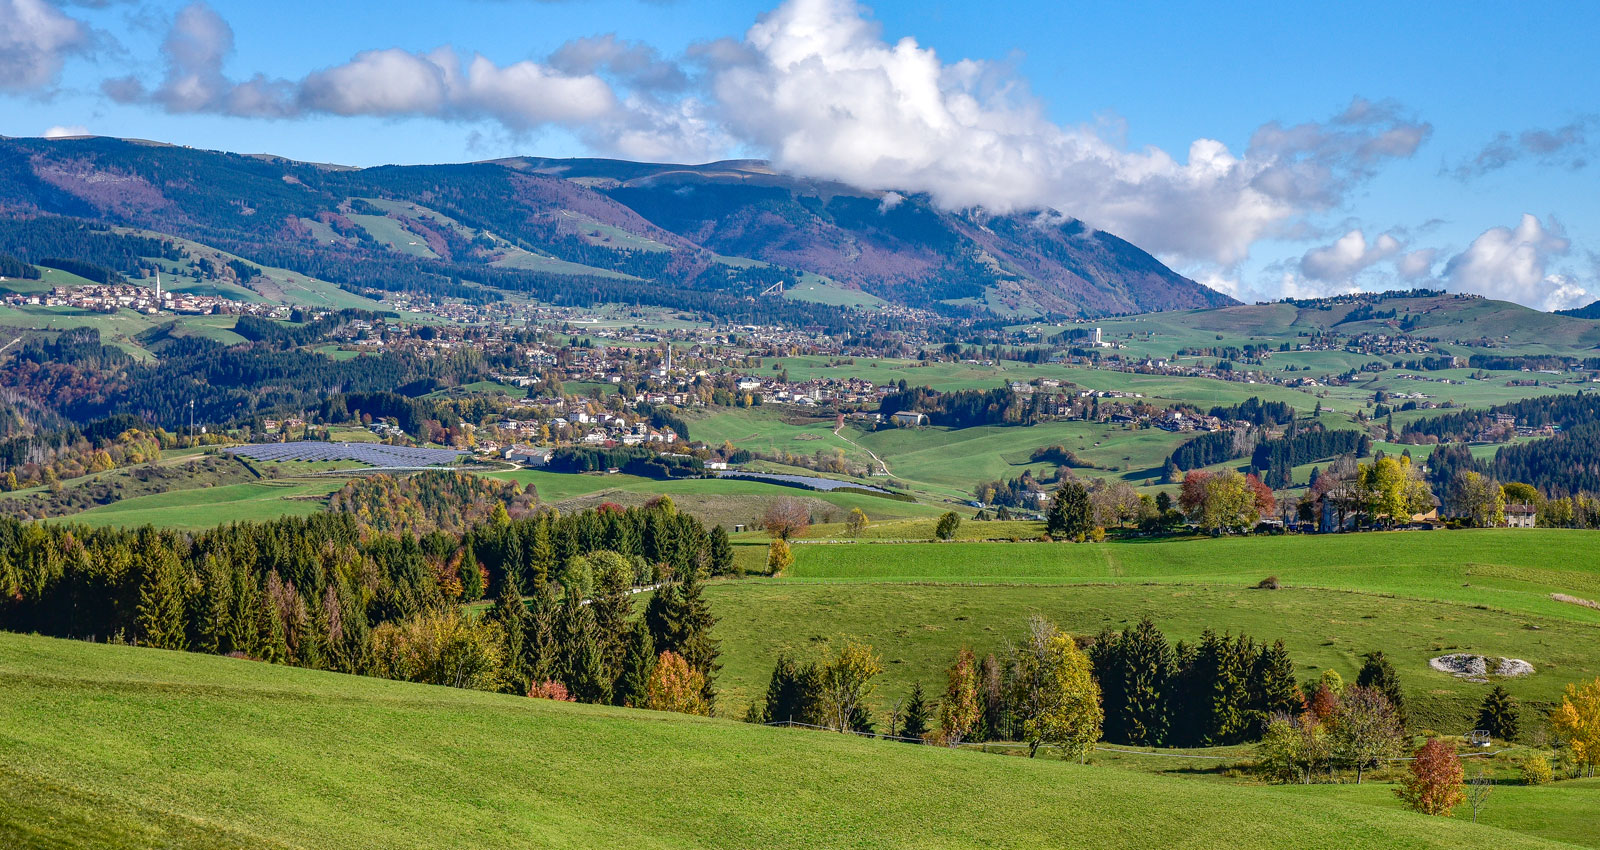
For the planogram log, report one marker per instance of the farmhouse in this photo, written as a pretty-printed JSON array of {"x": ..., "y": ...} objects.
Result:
[
  {"x": 1520, "y": 516},
  {"x": 909, "y": 417},
  {"x": 528, "y": 456}
]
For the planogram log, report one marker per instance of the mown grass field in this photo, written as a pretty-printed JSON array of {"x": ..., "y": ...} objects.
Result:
[{"x": 109, "y": 747}]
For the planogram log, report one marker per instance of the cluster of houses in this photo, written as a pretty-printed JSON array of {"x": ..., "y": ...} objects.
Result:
[{"x": 109, "y": 298}]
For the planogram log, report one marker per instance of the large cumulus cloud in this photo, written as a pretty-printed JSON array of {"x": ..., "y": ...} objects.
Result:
[
  {"x": 1512, "y": 263},
  {"x": 814, "y": 86}
]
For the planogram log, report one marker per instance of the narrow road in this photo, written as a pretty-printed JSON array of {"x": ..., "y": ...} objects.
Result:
[
  {"x": 881, "y": 465},
  {"x": 9, "y": 344}
]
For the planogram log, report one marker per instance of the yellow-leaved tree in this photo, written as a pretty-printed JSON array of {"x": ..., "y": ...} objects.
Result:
[
  {"x": 1055, "y": 692},
  {"x": 1577, "y": 721}
]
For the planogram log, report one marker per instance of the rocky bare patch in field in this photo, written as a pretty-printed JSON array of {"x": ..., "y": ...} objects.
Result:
[{"x": 1478, "y": 668}]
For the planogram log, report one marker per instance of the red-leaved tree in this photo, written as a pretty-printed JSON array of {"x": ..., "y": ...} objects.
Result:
[{"x": 1434, "y": 786}]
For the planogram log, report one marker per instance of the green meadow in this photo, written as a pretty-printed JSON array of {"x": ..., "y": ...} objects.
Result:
[
  {"x": 111, "y": 747},
  {"x": 1414, "y": 595}
]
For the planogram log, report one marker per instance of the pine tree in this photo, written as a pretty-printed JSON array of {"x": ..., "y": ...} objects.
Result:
[
  {"x": 512, "y": 615},
  {"x": 1499, "y": 715},
  {"x": 721, "y": 553},
  {"x": 161, "y": 602},
  {"x": 636, "y": 667},
  {"x": 915, "y": 724},
  {"x": 1377, "y": 673}
]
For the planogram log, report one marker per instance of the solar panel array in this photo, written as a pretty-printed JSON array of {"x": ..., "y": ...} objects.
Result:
[{"x": 376, "y": 454}]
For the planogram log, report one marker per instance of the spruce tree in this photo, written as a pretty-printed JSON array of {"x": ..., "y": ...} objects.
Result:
[
  {"x": 161, "y": 602},
  {"x": 541, "y": 650},
  {"x": 1148, "y": 671},
  {"x": 1071, "y": 515},
  {"x": 698, "y": 647},
  {"x": 613, "y": 608},
  {"x": 542, "y": 554},
  {"x": 721, "y": 553},
  {"x": 1272, "y": 684},
  {"x": 585, "y": 676},
  {"x": 274, "y": 644},
  {"x": 1377, "y": 673},
  {"x": 1105, "y": 656},
  {"x": 1499, "y": 715},
  {"x": 793, "y": 693},
  {"x": 916, "y": 720},
  {"x": 637, "y": 666},
  {"x": 512, "y": 615},
  {"x": 213, "y": 615},
  {"x": 244, "y": 634},
  {"x": 471, "y": 577}
]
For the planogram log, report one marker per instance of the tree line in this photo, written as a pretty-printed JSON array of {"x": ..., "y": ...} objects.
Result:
[{"x": 327, "y": 593}]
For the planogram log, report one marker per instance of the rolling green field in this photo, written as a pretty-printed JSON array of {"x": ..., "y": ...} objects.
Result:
[
  {"x": 1414, "y": 595},
  {"x": 104, "y": 746},
  {"x": 556, "y": 488},
  {"x": 207, "y": 507}
]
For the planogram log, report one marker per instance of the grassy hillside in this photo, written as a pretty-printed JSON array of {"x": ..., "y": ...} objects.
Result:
[
  {"x": 1413, "y": 595},
  {"x": 116, "y": 747}
]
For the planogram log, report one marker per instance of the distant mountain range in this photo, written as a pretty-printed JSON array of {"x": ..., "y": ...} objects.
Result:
[{"x": 581, "y": 230}]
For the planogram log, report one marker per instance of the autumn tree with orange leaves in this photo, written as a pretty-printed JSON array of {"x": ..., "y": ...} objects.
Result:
[{"x": 1434, "y": 785}]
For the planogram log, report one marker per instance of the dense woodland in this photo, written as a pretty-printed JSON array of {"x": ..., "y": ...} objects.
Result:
[
  {"x": 431, "y": 500},
  {"x": 966, "y": 408},
  {"x": 1561, "y": 411},
  {"x": 324, "y": 592}
]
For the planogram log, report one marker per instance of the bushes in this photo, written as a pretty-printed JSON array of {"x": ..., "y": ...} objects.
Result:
[
  {"x": 1536, "y": 771},
  {"x": 440, "y": 647}
]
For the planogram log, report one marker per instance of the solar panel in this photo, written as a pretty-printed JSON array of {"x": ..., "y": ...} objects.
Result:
[{"x": 374, "y": 454}]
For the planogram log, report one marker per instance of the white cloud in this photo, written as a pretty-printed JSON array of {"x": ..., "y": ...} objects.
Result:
[
  {"x": 1511, "y": 264},
  {"x": 196, "y": 46},
  {"x": 66, "y": 131},
  {"x": 814, "y": 85},
  {"x": 35, "y": 39},
  {"x": 442, "y": 84},
  {"x": 1348, "y": 256},
  {"x": 1416, "y": 265}
]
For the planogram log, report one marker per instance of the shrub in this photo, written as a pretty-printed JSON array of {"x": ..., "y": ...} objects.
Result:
[
  {"x": 550, "y": 690},
  {"x": 1268, "y": 583},
  {"x": 1536, "y": 771}
]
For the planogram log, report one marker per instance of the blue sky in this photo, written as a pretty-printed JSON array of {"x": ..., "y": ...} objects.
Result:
[{"x": 1265, "y": 149}]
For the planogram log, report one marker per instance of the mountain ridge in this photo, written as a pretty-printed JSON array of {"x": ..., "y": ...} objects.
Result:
[{"x": 732, "y": 227}]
